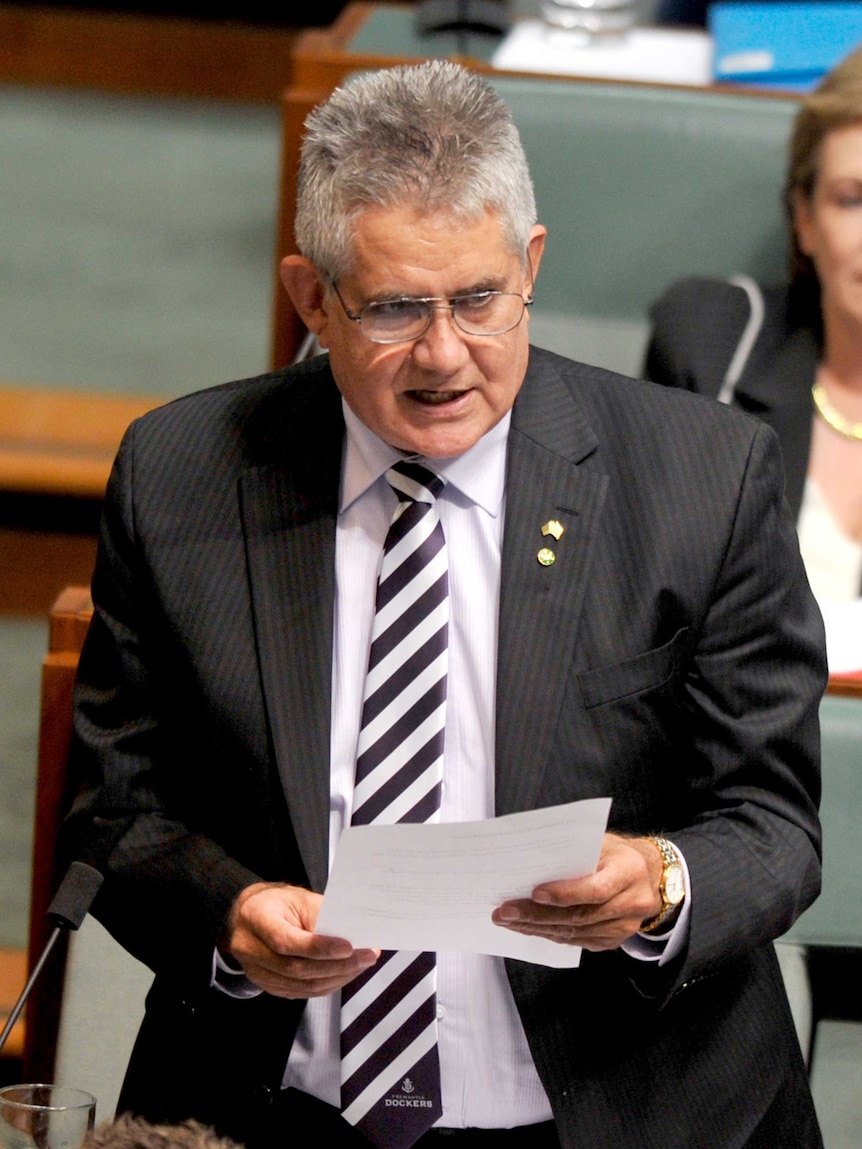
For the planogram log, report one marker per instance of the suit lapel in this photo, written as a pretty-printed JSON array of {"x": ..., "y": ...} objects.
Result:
[
  {"x": 540, "y": 606},
  {"x": 289, "y": 506}
]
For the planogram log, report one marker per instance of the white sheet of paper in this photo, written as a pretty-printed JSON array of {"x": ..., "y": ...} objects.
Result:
[{"x": 433, "y": 886}]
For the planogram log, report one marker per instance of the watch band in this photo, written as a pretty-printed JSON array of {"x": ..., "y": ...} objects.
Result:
[{"x": 671, "y": 885}]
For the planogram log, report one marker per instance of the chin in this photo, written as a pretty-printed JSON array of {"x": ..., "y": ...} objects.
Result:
[{"x": 441, "y": 444}]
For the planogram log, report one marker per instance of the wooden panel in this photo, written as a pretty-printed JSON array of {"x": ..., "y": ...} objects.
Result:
[
  {"x": 144, "y": 54},
  {"x": 13, "y": 974},
  {"x": 288, "y": 329},
  {"x": 87, "y": 420},
  {"x": 69, "y": 621},
  {"x": 35, "y": 564},
  {"x": 26, "y": 469},
  {"x": 63, "y": 442},
  {"x": 849, "y": 685}
]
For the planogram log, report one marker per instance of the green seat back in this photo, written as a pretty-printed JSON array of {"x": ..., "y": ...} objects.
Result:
[{"x": 835, "y": 919}]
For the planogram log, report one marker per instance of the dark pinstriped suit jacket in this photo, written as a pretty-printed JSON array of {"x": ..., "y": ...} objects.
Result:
[
  {"x": 697, "y": 325},
  {"x": 671, "y": 657}
]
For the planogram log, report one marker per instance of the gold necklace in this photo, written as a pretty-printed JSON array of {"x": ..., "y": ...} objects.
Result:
[{"x": 833, "y": 418}]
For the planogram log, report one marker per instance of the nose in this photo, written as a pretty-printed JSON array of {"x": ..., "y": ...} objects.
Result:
[{"x": 442, "y": 348}]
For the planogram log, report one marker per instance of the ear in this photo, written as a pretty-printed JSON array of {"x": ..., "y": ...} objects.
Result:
[
  {"x": 536, "y": 248},
  {"x": 304, "y": 285},
  {"x": 802, "y": 222}
]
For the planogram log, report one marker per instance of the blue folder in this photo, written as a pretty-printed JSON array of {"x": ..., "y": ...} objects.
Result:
[{"x": 782, "y": 45}]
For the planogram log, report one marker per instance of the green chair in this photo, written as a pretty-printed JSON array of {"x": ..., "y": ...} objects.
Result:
[{"x": 835, "y": 919}]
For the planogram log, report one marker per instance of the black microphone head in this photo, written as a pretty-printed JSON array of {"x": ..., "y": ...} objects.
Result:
[{"x": 75, "y": 895}]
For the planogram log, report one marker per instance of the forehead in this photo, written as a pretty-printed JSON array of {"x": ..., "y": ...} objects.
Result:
[
  {"x": 400, "y": 250},
  {"x": 841, "y": 152}
]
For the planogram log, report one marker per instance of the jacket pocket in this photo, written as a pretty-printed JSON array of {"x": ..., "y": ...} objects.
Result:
[{"x": 644, "y": 672}]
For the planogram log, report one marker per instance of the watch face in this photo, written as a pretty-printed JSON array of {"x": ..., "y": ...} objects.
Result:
[{"x": 674, "y": 885}]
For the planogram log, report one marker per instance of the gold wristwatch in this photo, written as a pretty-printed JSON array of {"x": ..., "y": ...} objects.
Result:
[{"x": 671, "y": 886}]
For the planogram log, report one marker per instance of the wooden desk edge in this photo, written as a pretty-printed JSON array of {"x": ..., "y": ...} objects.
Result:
[
  {"x": 845, "y": 685},
  {"x": 61, "y": 442}
]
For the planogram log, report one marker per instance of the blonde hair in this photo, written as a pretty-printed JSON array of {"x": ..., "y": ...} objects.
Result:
[{"x": 835, "y": 103}]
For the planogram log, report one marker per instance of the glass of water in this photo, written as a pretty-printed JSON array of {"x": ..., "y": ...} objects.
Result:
[{"x": 45, "y": 1116}]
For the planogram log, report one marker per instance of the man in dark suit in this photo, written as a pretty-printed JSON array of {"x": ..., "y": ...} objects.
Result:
[{"x": 628, "y": 617}]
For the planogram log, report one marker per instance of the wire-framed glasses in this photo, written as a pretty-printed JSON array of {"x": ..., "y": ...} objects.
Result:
[{"x": 402, "y": 320}]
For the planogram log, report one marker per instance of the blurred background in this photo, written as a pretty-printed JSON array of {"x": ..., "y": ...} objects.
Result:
[{"x": 140, "y": 165}]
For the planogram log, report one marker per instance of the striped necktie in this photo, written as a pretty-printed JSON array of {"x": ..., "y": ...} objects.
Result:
[{"x": 390, "y": 1073}]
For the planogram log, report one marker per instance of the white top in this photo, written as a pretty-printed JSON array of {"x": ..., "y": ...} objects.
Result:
[{"x": 833, "y": 562}]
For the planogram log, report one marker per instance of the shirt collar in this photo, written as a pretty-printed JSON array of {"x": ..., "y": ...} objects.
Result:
[{"x": 479, "y": 474}]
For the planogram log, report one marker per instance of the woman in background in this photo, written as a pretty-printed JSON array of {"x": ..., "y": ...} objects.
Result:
[{"x": 793, "y": 355}]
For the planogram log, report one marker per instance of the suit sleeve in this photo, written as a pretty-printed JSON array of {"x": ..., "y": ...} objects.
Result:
[
  {"x": 143, "y": 813},
  {"x": 750, "y": 704}
]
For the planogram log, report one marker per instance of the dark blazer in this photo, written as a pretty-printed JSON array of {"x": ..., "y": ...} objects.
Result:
[
  {"x": 671, "y": 658},
  {"x": 697, "y": 326}
]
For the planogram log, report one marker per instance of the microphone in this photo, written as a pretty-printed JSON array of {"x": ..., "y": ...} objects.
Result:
[
  {"x": 70, "y": 906},
  {"x": 73, "y": 899}
]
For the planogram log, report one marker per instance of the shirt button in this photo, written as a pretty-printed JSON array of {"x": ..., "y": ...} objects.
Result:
[{"x": 441, "y": 1011}]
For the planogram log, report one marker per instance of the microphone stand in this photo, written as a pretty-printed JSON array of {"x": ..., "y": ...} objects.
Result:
[{"x": 68, "y": 909}]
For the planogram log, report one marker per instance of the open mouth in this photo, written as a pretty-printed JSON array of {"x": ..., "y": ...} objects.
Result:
[{"x": 436, "y": 398}]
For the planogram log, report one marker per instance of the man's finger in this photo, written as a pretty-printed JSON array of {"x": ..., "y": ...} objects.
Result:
[{"x": 308, "y": 969}]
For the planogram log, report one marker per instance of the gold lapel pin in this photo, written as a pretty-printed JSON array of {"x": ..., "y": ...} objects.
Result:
[
  {"x": 546, "y": 557},
  {"x": 554, "y": 527}
]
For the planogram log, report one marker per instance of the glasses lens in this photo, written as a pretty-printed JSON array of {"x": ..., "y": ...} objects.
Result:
[
  {"x": 395, "y": 320},
  {"x": 482, "y": 313},
  {"x": 488, "y": 312}
]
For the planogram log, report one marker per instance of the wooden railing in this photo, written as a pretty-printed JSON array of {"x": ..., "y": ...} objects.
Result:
[{"x": 62, "y": 442}]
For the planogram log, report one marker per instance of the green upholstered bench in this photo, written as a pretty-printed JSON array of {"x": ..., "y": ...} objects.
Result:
[{"x": 835, "y": 919}]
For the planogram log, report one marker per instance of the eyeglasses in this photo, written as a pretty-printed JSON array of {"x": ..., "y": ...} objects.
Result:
[{"x": 402, "y": 320}]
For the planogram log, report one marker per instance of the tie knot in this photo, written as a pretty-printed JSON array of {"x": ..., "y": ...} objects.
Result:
[{"x": 411, "y": 481}]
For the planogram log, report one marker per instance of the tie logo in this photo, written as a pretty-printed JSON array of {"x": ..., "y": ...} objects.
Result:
[{"x": 403, "y": 1100}]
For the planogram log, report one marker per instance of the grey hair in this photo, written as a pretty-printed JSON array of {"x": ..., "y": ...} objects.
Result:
[
  {"x": 128, "y": 1132},
  {"x": 434, "y": 136}
]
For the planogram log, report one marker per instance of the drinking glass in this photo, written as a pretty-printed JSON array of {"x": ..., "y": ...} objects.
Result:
[{"x": 45, "y": 1116}]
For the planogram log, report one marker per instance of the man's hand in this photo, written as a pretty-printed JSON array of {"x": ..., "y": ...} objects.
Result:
[
  {"x": 598, "y": 912},
  {"x": 270, "y": 932}
]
